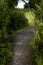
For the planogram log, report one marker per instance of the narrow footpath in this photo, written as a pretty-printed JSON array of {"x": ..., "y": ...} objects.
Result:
[{"x": 23, "y": 52}]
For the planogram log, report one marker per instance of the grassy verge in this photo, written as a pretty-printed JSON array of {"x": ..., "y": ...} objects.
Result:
[{"x": 37, "y": 43}]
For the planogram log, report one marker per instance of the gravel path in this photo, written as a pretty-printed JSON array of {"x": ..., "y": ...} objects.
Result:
[{"x": 23, "y": 52}]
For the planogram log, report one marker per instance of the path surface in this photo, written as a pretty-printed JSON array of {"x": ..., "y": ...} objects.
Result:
[{"x": 22, "y": 49}]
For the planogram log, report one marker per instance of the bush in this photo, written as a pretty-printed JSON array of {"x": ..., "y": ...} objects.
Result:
[
  {"x": 5, "y": 45},
  {"x": 5, "y": 52},
  {"x": 38, "y": 44},
  {"x": 38, "y": 40}
]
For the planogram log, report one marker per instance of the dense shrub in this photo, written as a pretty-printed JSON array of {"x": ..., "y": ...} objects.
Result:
[
  {"x": 5, "y": 45},
  {"x": 38, "y": 44},
  {"x": 5, "y": 52},
  {"x": 39, "y": 39}
]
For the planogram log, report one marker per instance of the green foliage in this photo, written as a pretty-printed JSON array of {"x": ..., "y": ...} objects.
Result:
[
  {"x": 17, "y": 21},
  {"x": 12, "y": 3},
  {"x": 39, "y": 10},
  {"x": 38, "y": 43},
  {"x": 5, "y": 52},
  {"x": 26, "y": 5},
  {"x": 38, "y": 39},
  {"x": 41, "y": 39},
  {"x": 33, "y": 3},
  {"x": 10, "y": 20},
  {"x": 5, "y": 45}
]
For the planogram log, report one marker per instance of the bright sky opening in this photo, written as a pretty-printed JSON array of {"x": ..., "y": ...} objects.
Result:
[{"x": 21, "y": 4}]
